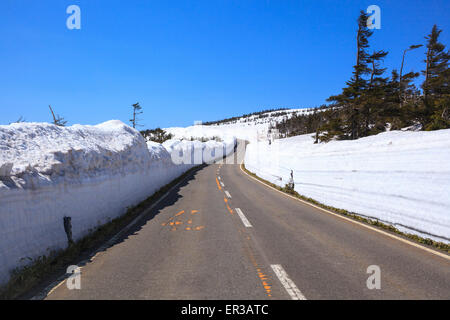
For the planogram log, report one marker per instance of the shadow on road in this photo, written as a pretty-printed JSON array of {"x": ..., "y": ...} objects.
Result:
[
  {"x": 151, "y": 212},
  {"x": 146, "y": 214}
]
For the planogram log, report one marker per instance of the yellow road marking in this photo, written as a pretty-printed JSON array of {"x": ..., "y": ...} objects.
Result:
[
  {"x": 179, "y": 213},
  {"x": 218, "y": 184}
]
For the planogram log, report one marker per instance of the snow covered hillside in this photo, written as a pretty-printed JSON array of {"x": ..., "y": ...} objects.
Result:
[
  {"x": 399, "y": 177},
  {"x": 246, "y": 128},
  {"x": 89, "y": 173}
]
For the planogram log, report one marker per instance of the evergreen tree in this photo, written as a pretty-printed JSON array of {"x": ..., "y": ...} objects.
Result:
[
  {"x": 350, "y": 97},
  {"x": 371, "y": 103},
  {"x": 157, "y": 135},
  {"x": 373, "y": 98},
  {"x": 410, "y": 101},
  {"x": 403, "y": 79},
  {"x": 436, "y": 88},
  {"x": 137, "y": 109},
  {"x": 333, "y": 127}
]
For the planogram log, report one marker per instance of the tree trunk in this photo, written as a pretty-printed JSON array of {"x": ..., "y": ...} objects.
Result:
[
  {"x": 400, "y": 87},
  {"x": 425, "y": 91},
  {"x": 53, "y": 114},
  {"x": 358, "y": 45}
]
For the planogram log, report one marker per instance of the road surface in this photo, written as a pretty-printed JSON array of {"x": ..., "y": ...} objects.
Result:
[{"x": 222, "y": 235}]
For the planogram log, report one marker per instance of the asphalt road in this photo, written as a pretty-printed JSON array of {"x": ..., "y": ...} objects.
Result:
[{"x": 223, "y": 235}]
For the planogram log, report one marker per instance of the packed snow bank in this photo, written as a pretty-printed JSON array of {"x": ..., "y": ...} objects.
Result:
[
  {"x": 402, "y": 178},
  {"x": 37, "y": 149},
  {"x": 89, "y": 173},
  {"x": 248, "y": 131},
  {"x": 196, "y": 152}
]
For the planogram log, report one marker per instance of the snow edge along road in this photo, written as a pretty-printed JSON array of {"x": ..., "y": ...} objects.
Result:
[{"x": 432, "y": 251}]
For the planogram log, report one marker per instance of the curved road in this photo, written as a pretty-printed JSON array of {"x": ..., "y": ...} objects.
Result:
[{"x": 222, "y": 235}]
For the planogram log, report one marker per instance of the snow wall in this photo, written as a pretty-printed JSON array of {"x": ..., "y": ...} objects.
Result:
[
  {"x": 89, "y": 173},
  {"x": 399, "y": 177}
]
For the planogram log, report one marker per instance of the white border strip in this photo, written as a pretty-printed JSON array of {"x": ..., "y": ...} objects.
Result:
[
  {"x": 437, "y": 253},
  {"x": 243, "y": 218},
  {"x": 287, "y": 283}
]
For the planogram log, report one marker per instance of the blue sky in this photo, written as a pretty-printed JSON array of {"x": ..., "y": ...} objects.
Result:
[{"x": 191, "y": 60}]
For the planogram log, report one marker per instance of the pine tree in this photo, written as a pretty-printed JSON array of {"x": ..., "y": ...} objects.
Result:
[
  {"x": 436, "y": 87},
  {"x": 373, "y": 98},
  {"x": 137, "y": 109},
  {"x": 371, "y": 103},
  {"x": 351, "y": 95},
  {"x": 158, "y": 135},
  {"x": 333, "y": 128}
]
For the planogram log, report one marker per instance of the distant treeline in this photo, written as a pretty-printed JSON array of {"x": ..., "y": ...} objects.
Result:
[
  {"x": 372, "y": 102},
  {"x": 260, "y": 114}
]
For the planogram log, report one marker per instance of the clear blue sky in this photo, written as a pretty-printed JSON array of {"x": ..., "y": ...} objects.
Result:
[{"x": 191, "y": 60}]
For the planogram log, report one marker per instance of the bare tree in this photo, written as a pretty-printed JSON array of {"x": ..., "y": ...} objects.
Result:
[
  {"x": 137, "y": 109},
  {"x": 57, "y": 120}
]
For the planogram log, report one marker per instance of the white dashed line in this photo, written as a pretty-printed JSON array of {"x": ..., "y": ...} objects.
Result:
[
  {"x": 287, "y": 283},
  {"x": 221, "y": 183},
  {"x": 228, "y": 194},
  {"x": 243, "y": 218}
]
